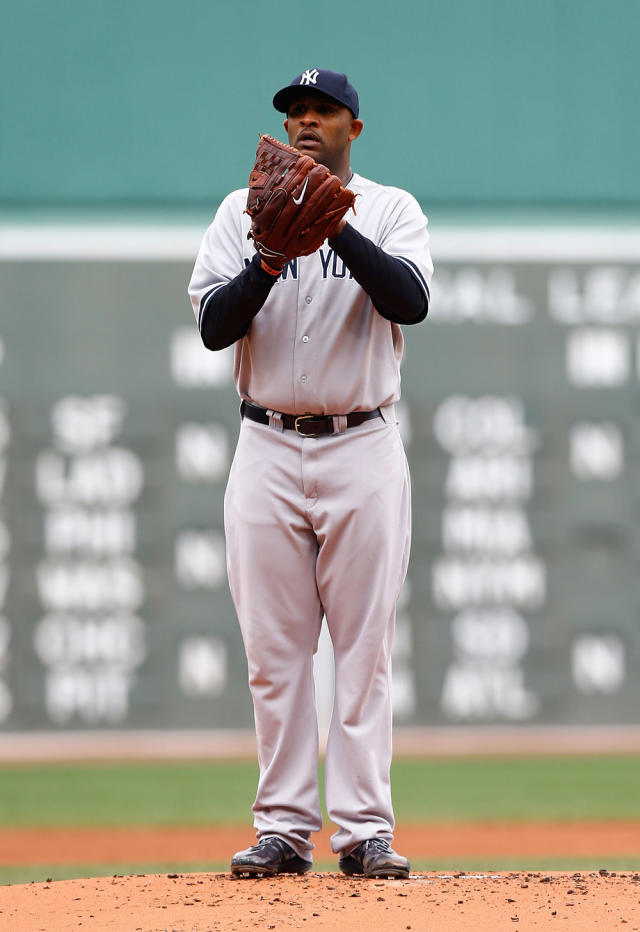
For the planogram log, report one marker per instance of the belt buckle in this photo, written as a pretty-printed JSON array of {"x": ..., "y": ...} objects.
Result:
[{"x": 303, "y": 417}]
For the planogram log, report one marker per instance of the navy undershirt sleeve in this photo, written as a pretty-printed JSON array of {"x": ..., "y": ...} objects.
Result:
[
  {"x": 226, "y": 314},
  {"x": 396, "y": 292}
]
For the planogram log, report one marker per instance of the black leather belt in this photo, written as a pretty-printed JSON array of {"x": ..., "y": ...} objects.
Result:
[{"x": 308, "y": 425}]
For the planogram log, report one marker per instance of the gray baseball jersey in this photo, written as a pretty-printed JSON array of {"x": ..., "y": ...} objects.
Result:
[
  {"x": 319, "y": 525},
  {"x": 317, "y": 346}
]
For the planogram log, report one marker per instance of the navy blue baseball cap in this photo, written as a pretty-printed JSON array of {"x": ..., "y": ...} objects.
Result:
[{"x": 332, "y": 83}]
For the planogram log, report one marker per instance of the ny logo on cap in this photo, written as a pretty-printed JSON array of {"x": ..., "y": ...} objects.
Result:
[{"x": 310, "y": 76}]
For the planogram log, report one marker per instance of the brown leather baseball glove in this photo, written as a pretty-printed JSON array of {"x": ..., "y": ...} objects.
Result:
[{"x": 294, "y": 204}]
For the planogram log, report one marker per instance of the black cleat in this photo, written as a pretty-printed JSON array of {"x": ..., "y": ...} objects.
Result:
[
  {"x": 272, "y": 855},
  {"x": 374, "y": 858}
]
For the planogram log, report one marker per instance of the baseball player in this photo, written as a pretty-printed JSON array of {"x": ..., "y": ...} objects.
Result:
[{"x": 317, "y": 507}]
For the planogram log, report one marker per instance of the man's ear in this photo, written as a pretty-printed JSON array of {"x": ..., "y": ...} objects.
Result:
[
  {"x": 286, "y": 125},
  {"x": 356, "y": 129}
]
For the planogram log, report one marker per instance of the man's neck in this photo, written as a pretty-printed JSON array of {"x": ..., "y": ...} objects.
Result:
[{"x": 343, "y": 172}]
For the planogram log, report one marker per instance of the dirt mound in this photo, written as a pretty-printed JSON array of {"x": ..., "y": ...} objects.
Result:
[{"x": 207, "y": 902}]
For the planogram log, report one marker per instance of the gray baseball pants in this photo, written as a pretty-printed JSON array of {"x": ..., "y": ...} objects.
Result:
[{"x": 320, "y": 525}]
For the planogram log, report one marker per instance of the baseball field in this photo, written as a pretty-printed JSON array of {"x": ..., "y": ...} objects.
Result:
[{"x": 540, "y": 841}]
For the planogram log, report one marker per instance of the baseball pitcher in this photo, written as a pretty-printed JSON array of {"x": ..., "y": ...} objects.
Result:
[{"x": 312, "y": 272}]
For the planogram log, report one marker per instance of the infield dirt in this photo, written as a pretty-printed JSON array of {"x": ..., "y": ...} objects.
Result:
[
  {"x": 207, "y": 902},
  {"x": 210, "y": 902},
  {"x": 436, "y": 842}
]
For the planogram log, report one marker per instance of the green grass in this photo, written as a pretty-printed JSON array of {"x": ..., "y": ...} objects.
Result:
[
  {"x": 221, "y": 793},
  {"x": 536, "y": 788},
  {"x": 193, "y": 793}
]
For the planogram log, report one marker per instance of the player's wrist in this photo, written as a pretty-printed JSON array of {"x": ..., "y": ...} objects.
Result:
[
  {"x": 338, "y": 229},
  {"x": 269, "y": 270}
]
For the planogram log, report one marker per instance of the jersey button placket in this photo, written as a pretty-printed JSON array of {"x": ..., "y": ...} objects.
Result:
[
  {"x": 305, "y": 339},
  {"x": 303, "y": 377}
]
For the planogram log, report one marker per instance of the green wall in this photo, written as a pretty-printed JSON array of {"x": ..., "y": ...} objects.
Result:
[
  {"x": 149, "y": 103},
  {"x": 521, "y": 394}
]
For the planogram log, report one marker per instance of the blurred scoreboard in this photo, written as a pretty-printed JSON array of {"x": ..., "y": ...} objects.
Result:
[{"x": 521, "y": 418}]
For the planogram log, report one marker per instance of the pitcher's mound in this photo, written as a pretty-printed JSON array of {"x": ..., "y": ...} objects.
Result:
[{"x": 203, "y": 902}]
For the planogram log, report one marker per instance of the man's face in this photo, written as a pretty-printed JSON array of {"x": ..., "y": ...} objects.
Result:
[{"x": 322, "y": 128}]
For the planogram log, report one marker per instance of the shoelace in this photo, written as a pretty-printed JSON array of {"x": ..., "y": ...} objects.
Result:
[
  {"x": 380, "y": 843},
  {"x": 280, "y": 843}
]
